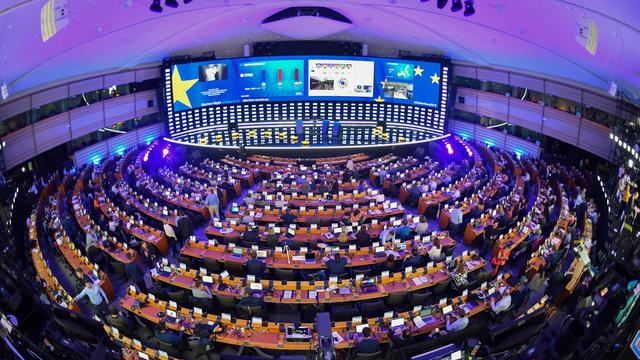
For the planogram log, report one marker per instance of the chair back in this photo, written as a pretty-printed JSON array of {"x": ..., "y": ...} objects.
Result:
[{"x": 372, "y": 356}]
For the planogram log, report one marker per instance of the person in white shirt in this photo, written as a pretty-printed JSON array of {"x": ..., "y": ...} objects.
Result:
[
  {"x": 113, "y": 224},
  {"x": 171, "y": 236},
  {"x": 503, "y": 304},
  {"x": 459, "y": 323},
  {"x": 387, "y": 234},
  {"x": 455, "y": 194},
  {"x": 433, "y": 184},
  {"x": 435, "y": 252},
  {"x": 422, "y": 227},
  {"x": 350, "y": 165}
]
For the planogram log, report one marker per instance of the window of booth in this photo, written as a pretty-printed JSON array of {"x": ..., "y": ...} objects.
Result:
[{"x": 466, "y": 82}]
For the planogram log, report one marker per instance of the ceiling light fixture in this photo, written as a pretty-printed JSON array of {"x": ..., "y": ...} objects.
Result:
[
  {"x": 456, "y": 5},
  {"x": 171, "y": 3},
  {"x": 442, "y": 4},
  {"x": 155, "y": 6},
  {"x": 468, "y": 8},
  {"x": 187, "y": 1}
]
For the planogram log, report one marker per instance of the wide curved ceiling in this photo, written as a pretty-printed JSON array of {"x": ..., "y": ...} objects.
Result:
[{"x": 536, "y": 36}]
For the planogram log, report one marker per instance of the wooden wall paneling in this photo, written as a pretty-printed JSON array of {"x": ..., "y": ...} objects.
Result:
[
  {"x": 525, "y": 113},
  {"x": 52, "y": 132},
  {"x": 493, "y": 105},
  {"x": 15, "y": 107},
  {"x": 594, "y": 138}
]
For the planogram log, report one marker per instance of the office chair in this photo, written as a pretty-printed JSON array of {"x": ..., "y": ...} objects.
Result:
[
  {"x": 372, "y": 356},
  {"x": 285, "y": 274},
  {"x": 120, "y": 271},
  {"x": 226, "y": 302},
  {"x": 373, "y": 309},
  {"x": 366, "y": 271},
  {"x": 441, "y": 288},
  {"x": 420, "y": 299},
  {"x": 180, "y": 296},
  {"x": 235, "y": 269},
  {"x": 397, "y": 301}
]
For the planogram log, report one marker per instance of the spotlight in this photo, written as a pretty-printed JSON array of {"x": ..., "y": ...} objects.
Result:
[
  {"x": 187, "y": 1},
  {"x": 442, "y": 4},
  {"x": 171, "y": 3},
  {"x": 155, "y": 6},
  {"x": 456, "y": 5},
  {"x": 468, "y": 8}
]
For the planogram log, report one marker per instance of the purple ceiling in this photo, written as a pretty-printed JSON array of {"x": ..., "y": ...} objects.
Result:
[{"x": 536, "y": 36}]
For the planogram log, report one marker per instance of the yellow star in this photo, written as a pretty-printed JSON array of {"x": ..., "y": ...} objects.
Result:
[
  {"x": 417, "y": 71},
  {"x": 435, "y": 78},
  {"x": 379, "y": 99},
  {"x": 180, "y": 87}
]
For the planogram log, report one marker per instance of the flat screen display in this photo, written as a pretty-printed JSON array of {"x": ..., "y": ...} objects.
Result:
[{"x": 290, "y": 78}]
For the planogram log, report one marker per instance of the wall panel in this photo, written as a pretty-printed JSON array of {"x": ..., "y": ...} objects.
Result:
[
  {"x": 49, "y": 96},
  {"x": 470, "y": 99},
  {"x": 489, "y": 136},
  {"x": 594, "y": 138},
  {"x": 525, "y": 114},
  {"x": 607, "y": 104},
  {"x": 86, "y": 119},
  {"x": 563, "y": 91},
  {"x": 81, "y": 87},
  {"x": 143, "y": 100},
  {"x": 148, "y": 73},
  {"x": 119, "y": 144},
  {"x": 52, "y": 132},
  {"x": 560, "y": 125},
  {"x": 19, "y": 147},
  {"x": 525, "y": 81},
  {"x": 125, "y": 77},
  {"x": 119, "y": 109},
  {"x": 462, "y": 128},
  {"x": 15, "y": 107},
  {"x": 493, "y": 105},
  {"x": 516, "y": 145},
  {"x": 501, "y": 77},
  {"x": 466, "y": 71},
  {"x": 151, "y": 132},
  {"x": 93, "y": 153}
]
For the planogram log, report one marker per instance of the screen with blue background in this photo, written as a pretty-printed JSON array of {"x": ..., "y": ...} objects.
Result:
[{"x": 245, "y": 80}]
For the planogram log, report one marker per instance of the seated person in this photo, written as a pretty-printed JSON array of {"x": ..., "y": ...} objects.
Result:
[
  {"x": 251, "y": 299},
  {"x": 250, "y": 236},
  {"x": 288, "y": 218},
  {"x": 337, "y": 265},
  {"x": 422, "y": 227},
  {"x": 345, "y": 220},
  {"x": 389, "y": 264},
  {"x": 367, "y": 345},
  {"x": 456, "y": 322},
  {"x": 387, "y": 235},
  {"x": 168, "y": 336},
  {"x": 435, "y": 252},
  {"x": 118, "y": 319},
  {"x": 200, "y": 291},
  {"x": 404, "y": 231},
  {"x": 459, "y": 278},
  {"x": 272, "y": 239},
  {"x": 344, "y": 236},
  {"x": 357, "y": 216},
  {"x": 504, "y": 303},
  {"x": 363, "y": 238},
  {"x": 414, "y": 259},
  {"x": 254, "y": 266},
  {"x": 404, "y": 339}
]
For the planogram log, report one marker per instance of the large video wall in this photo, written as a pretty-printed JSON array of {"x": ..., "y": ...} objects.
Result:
[{"x": 196, "y": 91}]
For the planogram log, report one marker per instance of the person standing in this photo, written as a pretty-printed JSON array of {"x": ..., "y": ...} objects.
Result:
[
  {"x": 184, "y": 227},
  {"x": 171, "y": 236},
  {"x": 135, "y": 273},
  {"x": 96, "y": 295},
  {"x": 213, "y": 203}
]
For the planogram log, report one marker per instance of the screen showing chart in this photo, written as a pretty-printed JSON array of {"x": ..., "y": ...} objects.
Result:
[{"x": 266, "y": 79}]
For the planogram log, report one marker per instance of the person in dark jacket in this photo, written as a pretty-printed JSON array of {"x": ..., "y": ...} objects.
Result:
[
  {"x": 367, "y": 345},
  {"x": 404, "y": 339},
  {"x": 184, "y": 227},
  {"x": 134, "y": 272},
  {"x": 255, "y": 267},
  {"x": 169, "y": 336}
]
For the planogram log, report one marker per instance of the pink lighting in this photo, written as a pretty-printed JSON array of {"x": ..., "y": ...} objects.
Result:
[
  {"x": 449, "y": 149},
  {"x": 165, "y": 152}
]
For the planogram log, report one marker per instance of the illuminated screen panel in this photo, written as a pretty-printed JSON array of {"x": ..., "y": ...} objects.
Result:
[
  {"x": 341, "y": 78},
  {"x": 225, "y": 92}
]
